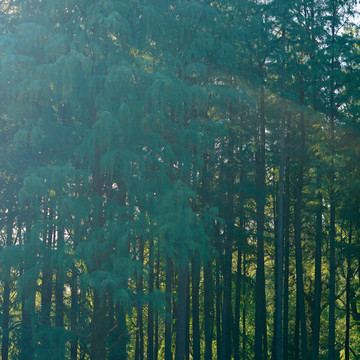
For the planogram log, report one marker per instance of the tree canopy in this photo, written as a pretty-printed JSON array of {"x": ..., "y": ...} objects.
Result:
[{"x": 179, "y": 180}]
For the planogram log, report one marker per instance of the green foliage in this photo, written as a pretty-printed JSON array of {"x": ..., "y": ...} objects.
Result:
[{"x": 133, "y": 137}]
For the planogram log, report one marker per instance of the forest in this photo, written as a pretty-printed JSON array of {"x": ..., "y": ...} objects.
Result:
[{"x": 179, "y": 179}]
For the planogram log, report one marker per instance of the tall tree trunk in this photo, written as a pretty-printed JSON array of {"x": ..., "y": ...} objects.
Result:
[
  {"x": 46, "y": 286},
  {"x": 260, "y": 301},
  {"x": 150, "y": 322},
  {"x": 139, "y": 351},
  {"x": 119, "y": 335},
  {"x": 156, "y": 337},
  {"x": 319, "y": 209},
  {"x": 297, "y": 229},
  {"x": 218, "y": 307},
  {"x": 187, "y": 323},
  {"x": 98, "y": 327},
  {"x": 297, "y": 331},
  {"x": 227, "y": 317},
  {"x": 278, "y": 323},
  {"x": 237, "y": 298},
  {"x": 331, "y": 353},
  {"x": 74, "y": 313},
  {"x": 286, "y": 259},
  {"x": 182, "y": 298},
  {"x": 348, "y": 300},
  {"x": 208, "y": 310},
  {"x": 196, "y": 307},
  {"x": 208, "y": 276},
  {"x": 27, "y": 304},
  {"x": 244, "y": 308},
  {"x": 112, "y": 325},
  {"x": 317, "y": 290},
  {"x": 168, "y": 318},
  {"x": 122, "y": 330},
  {"x": 6, "y": 295},
  {"x": 279, "y": 247},
  {"x": 59, "y": 295}
]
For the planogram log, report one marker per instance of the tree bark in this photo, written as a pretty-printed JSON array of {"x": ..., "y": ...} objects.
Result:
[
  {"x": 196, "y": 307},
  {"x": 260, "y": 301},
  {"x": 182, "y": 297},
  {"x": 168, "y": 319},
  {"x": 278, "y": 323},
  {"x": 208, "y": 310},
  {"x": 6, "y": 296},
  {"x": 297, "y": 229},
  {"x": 59, "y": 296},
  {"x": 297, "y": 331},
  {"x": 218, "y": 306},
  {"x": 348, "y": 300},
  {"x": 46, "y": 286},
  {"x": 98, "y": 328},
  {"x": 244, "y": 308},
  {"x": 237, "y": 298},
  {"x": 156, "y": 330},
  {"x": 227, "y": 316},
  {"x": 150, "y": 322},
  {"x": 27, "y": 305},
  {"x": 286, "y": 259},
  {"x": 208, "y": 278},
  {"x": 139, "y": 350},
  {"x": 74, "y": 310},
  {"x": 317, "y": 290},
  {"x": 331, "y": 353}
]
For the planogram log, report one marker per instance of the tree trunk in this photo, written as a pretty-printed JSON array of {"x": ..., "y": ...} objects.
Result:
[
  {"x": 239, "y": 277},
  {"x": 59, "y": 296},
  {"x": 6, "y": 296},
  {"x": 98, "y": 325},
  {"x": 317, "y": 290},
  {"x": 195, "y": 307},
  {"x": 74, "y": 314},
  {"x": 150, "y": 322},
  {"x": 139, "y": 350},
  {"x": 260, "y": 301},
  {"x": 297, "y": 331},
  {"x": 187, "y": 327},
  {"x": 244, "y": 308},
  {"x": 208, "y": 310},
  {"x": 168, "y": 319},
  {"x": 6, "y": 313},
  {"x": 297, "y": 230},
  {"x": 286, "y": 261},
  {"x": 278, "y": 324},
  {"x": 156, "y": 340},
  {"x": 46, "y": 286},
  {"x": 122, "y": 331},
  {"x": 227, "y": 316},
  {"x": 331, "y": 353},
  {"x": 182, "y": 297},
  {"x": 27, "y": 305},
  {"x": 208, "y": 277},
  {"x": 98, "y": 328},
  {"x": 218, "y": 307},
  {"x": 236, "y": 325},
  {"x": 348, "y": 293}
]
